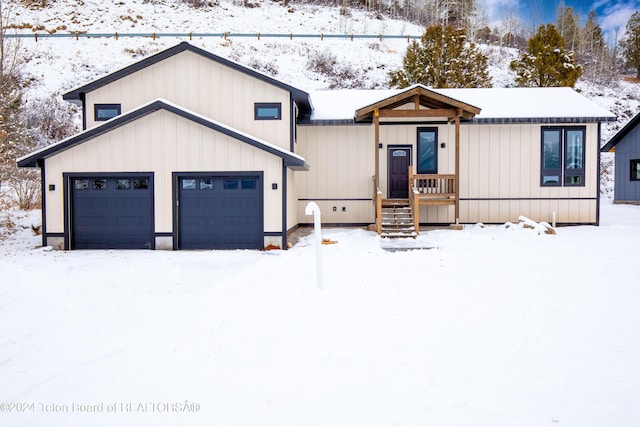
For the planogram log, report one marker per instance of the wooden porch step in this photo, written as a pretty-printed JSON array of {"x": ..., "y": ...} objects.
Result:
[{"x": 397, "y": 219}]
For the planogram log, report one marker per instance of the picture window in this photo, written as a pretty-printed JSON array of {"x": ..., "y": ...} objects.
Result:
[{"x": 563, "y": 157}]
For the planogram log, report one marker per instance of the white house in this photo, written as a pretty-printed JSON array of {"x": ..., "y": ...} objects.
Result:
[{"x": 187, "y": 150}]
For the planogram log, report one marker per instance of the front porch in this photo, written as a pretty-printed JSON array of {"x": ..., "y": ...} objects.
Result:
[
  {"x": 401, "y": 217},
  {"x": 424, "y": 110}
]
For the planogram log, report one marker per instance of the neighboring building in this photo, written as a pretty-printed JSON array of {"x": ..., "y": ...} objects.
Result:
[
  {"x": 187, "y": 150},
  {"x": 626, "y": 145}
]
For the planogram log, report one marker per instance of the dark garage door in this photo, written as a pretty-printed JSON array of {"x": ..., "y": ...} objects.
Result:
[
  {"x": 112, "y": 212},
  {"x": 220, "y": 212}
]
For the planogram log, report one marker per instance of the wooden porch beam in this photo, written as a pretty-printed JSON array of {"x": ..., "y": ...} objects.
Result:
[{"x": 440, "y": 112}]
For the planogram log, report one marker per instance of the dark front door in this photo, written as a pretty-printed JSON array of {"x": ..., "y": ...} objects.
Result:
[
  {"x": 220, "y": 211},
  {"x": 112, "y": 212},
  {"x": 399, "y": 161}
]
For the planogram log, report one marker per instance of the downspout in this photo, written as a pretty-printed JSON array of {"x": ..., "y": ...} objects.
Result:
[
  {"x": 285, "y": 189},
  {"x": 284, "y": 206},
  {"x": 84, "y": 112},
  {"x": 43, "y": 206}
]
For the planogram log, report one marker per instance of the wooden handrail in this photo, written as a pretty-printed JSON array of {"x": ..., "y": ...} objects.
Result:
[{"x": 432, "y": 185}]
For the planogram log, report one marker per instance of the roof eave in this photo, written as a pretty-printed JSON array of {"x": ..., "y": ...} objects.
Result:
[
  {"x": 542, "y": 120},
  {"x": 619, "y": 136}
]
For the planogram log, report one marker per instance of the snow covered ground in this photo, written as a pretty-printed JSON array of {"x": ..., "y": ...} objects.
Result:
[
  {"x": 494, "y": 326},
  {"x": 491, "y": 327}
]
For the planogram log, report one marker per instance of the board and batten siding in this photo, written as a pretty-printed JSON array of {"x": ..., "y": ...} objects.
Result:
[
  {"x": 341, "y": 160},
  {"x": 627, "y": 149},
  {"x": 500, "y": 177},
  {"x": 203, "y": 86},
  {"x": 162, "y": 143}
]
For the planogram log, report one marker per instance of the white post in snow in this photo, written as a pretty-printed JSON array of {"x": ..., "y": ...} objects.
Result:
[{"x": 313, "y": 209}]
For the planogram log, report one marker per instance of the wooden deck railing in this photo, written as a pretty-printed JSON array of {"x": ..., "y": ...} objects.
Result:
[{"x": 430, "y": 189}]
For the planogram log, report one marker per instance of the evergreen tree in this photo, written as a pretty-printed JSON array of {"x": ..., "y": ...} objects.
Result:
[
  {"x": 631, "y": 43},
  {"x": 442, "y": 59},
  {"x": 567, "y": 25},
  {"x": 546, "y": 62}
]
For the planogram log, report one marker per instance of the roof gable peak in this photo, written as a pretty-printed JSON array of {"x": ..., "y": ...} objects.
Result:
[
  {"x": 434, "y": 105},
  {"x": 299, "y": 96}
]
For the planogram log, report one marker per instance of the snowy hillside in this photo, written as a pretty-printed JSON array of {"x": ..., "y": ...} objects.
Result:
[{"x": 59, "y": 64}]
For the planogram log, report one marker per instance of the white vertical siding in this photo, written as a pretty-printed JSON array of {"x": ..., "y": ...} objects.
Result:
[
  {"x": 163, "y": 143},
  {"x": 203, "y": 86},
  {"x": 504, "y": 182},
  {"x": 342, "y": 167}
]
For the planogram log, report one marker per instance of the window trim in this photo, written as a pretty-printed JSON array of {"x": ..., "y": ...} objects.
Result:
[
  {"x": 267, "y": 105},
  {"x": 633, "y": 167},
  {"x": 98, "y": 107},
  {"x": 435, "y": 151},
  {"x": 563, "y": 172}
]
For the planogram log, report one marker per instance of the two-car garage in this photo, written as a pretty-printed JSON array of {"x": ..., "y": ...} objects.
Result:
[
  {"x": 211, "y": 211},
  {"x": 161, "y": 177}
]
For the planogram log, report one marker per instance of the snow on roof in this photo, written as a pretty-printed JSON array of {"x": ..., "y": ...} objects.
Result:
[{"x": 495, "y": 103}]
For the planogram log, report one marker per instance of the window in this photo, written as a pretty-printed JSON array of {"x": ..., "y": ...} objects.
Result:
[
  {"x": 635, "y": 170},
  {"x": 189, "y": 184},
  {"x": 562, "y": 157},
  {"x": 81, "y": 184},
  {"x": 230, "y": 183},
  {"x": 141, "y": 183},
  {"x": 427, "y": 151},
  {"x": 123, "y": 184},
  {"x": 206, "y": 184},
  {"x": 103, "y": 112},
  {"x": 268, "y": 111},
  {"x": 99, "y": 184},
  {"x": 249, "y": 183}
]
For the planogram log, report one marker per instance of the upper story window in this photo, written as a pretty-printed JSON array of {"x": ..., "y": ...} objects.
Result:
[
  {"x": 563, "y": 156},
  {"x": 104, "y": 112},
  {"x": 268, "y": 111}
]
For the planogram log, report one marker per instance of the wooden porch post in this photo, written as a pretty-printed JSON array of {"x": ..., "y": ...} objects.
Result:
[
  {"x": 457, "y": 185},
  {"x": 376, "y": 123}
]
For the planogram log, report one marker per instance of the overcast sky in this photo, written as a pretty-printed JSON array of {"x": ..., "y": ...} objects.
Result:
[{"x": 612, "y": 15}]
